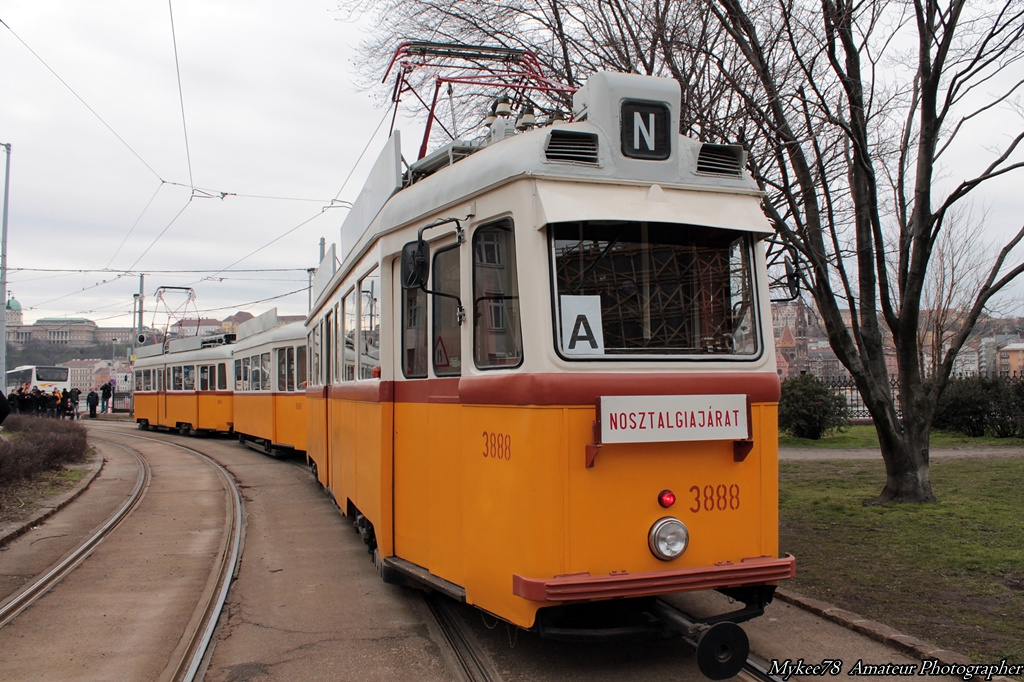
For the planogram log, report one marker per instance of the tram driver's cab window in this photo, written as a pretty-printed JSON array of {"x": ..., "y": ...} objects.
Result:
[
  {"x": 497, "y": 334},
  {"x": 627, "y": 288}
]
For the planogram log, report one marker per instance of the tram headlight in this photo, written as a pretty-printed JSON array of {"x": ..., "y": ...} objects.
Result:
[{"x": 668, "y": 538}]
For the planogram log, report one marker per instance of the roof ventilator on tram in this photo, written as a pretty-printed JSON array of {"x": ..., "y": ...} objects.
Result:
[
  {"x": 720, "y": 159},
  {"x": 218, "y": 340},
  {"x": 442, "y": 158},
  {"x": 571, "y": 146}
]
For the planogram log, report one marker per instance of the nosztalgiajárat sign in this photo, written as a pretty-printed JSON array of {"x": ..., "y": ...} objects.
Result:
[{"x": 667, "y": 418}]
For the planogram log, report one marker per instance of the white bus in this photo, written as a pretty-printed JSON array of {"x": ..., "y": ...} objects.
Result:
[{"x": 45, "y": 378}]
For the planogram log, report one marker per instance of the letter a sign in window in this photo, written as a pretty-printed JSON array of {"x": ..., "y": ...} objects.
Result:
[
  {"x": 582, "y": 333},
  {"x": 646, "y": 130}
]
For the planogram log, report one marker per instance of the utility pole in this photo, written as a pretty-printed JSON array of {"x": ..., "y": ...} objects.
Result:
[
  {"x": 3, "y": 267},
  {"x": 142, "y": 297}
]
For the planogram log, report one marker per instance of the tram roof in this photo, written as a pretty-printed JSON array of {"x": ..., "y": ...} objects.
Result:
[{"x": 583, "y": 172}]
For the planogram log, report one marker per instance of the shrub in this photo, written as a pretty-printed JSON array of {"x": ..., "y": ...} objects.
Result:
[
  {"x": 1004, "y": 416},
  {"x": 975, "y": 406},
  {"x": 810, "y": 408},
  {"x": 963, "y": 407},
  {"x": 34, "y": 444}
]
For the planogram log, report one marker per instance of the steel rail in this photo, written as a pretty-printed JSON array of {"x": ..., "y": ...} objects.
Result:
[
  {"x": 473, "y": 663},
  {"x": 757, "y": 668},
  {"x": 36, "y": 589},
  {"x": 197, "y": 642}
]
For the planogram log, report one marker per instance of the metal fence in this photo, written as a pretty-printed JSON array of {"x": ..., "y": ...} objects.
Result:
[
  {"x": 121, "y": 400},
  {"x": 845, "y": 386}
]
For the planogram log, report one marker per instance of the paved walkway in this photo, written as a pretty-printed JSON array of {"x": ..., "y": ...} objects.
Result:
[{"x": 959, "y": 452}]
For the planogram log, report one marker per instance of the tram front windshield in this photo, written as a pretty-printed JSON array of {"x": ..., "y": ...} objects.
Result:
[{"x": 631, "y": 288}]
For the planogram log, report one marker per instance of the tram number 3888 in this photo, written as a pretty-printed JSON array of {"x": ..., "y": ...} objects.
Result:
[
  {"x": 497, "y": 445},
  {"x": 715, "y": 498}
]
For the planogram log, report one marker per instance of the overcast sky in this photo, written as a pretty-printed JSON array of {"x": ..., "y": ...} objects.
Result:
[{"x": 101, "y": 179}]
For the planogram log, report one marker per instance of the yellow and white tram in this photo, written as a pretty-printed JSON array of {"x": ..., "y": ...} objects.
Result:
[
  {"x": 543, "y": 374},
  {"x": 185, "y": 386}
]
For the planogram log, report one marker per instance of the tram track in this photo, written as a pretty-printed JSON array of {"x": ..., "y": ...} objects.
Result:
[
  {"x": 473, "y": 663},
  {"x": 194, "y": 646},
  {"x": 188, "y": 649},
  {"x": 30, "y": 593}
]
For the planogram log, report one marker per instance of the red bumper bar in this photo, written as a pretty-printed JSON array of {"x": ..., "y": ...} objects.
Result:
[{"x": 586, "y": 587}]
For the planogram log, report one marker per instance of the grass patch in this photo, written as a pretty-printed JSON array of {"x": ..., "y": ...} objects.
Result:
[
  {"x": 866, "y": 437},
  {"x": 20, "y": 500},
  {"x": 33, "y": 454},
  {"x": 951, "y": 573}
]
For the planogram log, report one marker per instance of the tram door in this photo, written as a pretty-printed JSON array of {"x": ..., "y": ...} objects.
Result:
[{"x": 428, "y": 510}]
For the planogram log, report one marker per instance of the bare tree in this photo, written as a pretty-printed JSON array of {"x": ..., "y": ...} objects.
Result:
[
  {"x": 852, "y": 113},
  {"x": 958, "y": 270},
  {"x": 866, "y": 101}
]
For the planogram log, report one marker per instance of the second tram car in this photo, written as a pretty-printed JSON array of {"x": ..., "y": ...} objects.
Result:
[
  {"x": 543, "y": 374},
  {"x": 269, "y": 385},
  {"x": 250, "y": 384}
]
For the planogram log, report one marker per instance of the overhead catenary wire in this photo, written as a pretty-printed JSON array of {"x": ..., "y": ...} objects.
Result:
[
  {"x": 84, "y": 103},
  {"x": 196, "y": 192},
  {"x": 135, "y": 224},
  {"x": 181, "y": 97}
]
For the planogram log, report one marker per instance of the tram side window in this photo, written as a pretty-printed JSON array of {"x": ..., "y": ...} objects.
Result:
[
  {"x": 138, "y": 380},
  {"x": 369, "y": 326},
  {"x": 254, "y": 373},
  {"x": 300, "y": 369},
  {"x": 204, "y": 377},
  {"x": 282, "y": 368},
  {"x": 336, "y": 345},
  {"x": 176, "y": 378},
  {"x": 329, "y": 334},
  {"x": 414, "y": 333},
  {"x": 349, "y": 333},
  {"x": 147, "y": 380},
  {"x": 222, "y": 377},
  {"x": 245, "y": 374},
  {"x": 189, "y": 377},
  {"x": 497, "y": 333},
  {"x": 265, "y": 371},
  {"x": 447, "y": 336}
]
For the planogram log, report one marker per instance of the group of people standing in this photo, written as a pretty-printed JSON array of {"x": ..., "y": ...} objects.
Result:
[{"x": 58, "y": 404}]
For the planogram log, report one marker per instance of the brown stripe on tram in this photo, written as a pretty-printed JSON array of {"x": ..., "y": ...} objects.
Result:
[{"x": 561, "y": 388}]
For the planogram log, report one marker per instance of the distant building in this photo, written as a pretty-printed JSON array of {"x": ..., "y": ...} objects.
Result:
[
  {"x": 1011, "y": 360},
  {"x": 83, "y": 372},
  {"x": 967, "y": 362},
  {"x": 78, "y": 331}
]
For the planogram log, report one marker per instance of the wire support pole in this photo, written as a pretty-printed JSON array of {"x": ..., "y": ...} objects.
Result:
[{"x": 3, "y": 262}]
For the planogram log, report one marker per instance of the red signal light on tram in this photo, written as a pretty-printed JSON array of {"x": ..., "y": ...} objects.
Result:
[{"x": 666, "y": 498}]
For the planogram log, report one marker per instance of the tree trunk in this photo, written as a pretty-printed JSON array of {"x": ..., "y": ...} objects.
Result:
[
  {"x": 904, "y": 444},
  {"x": 907, "y": 477}
]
